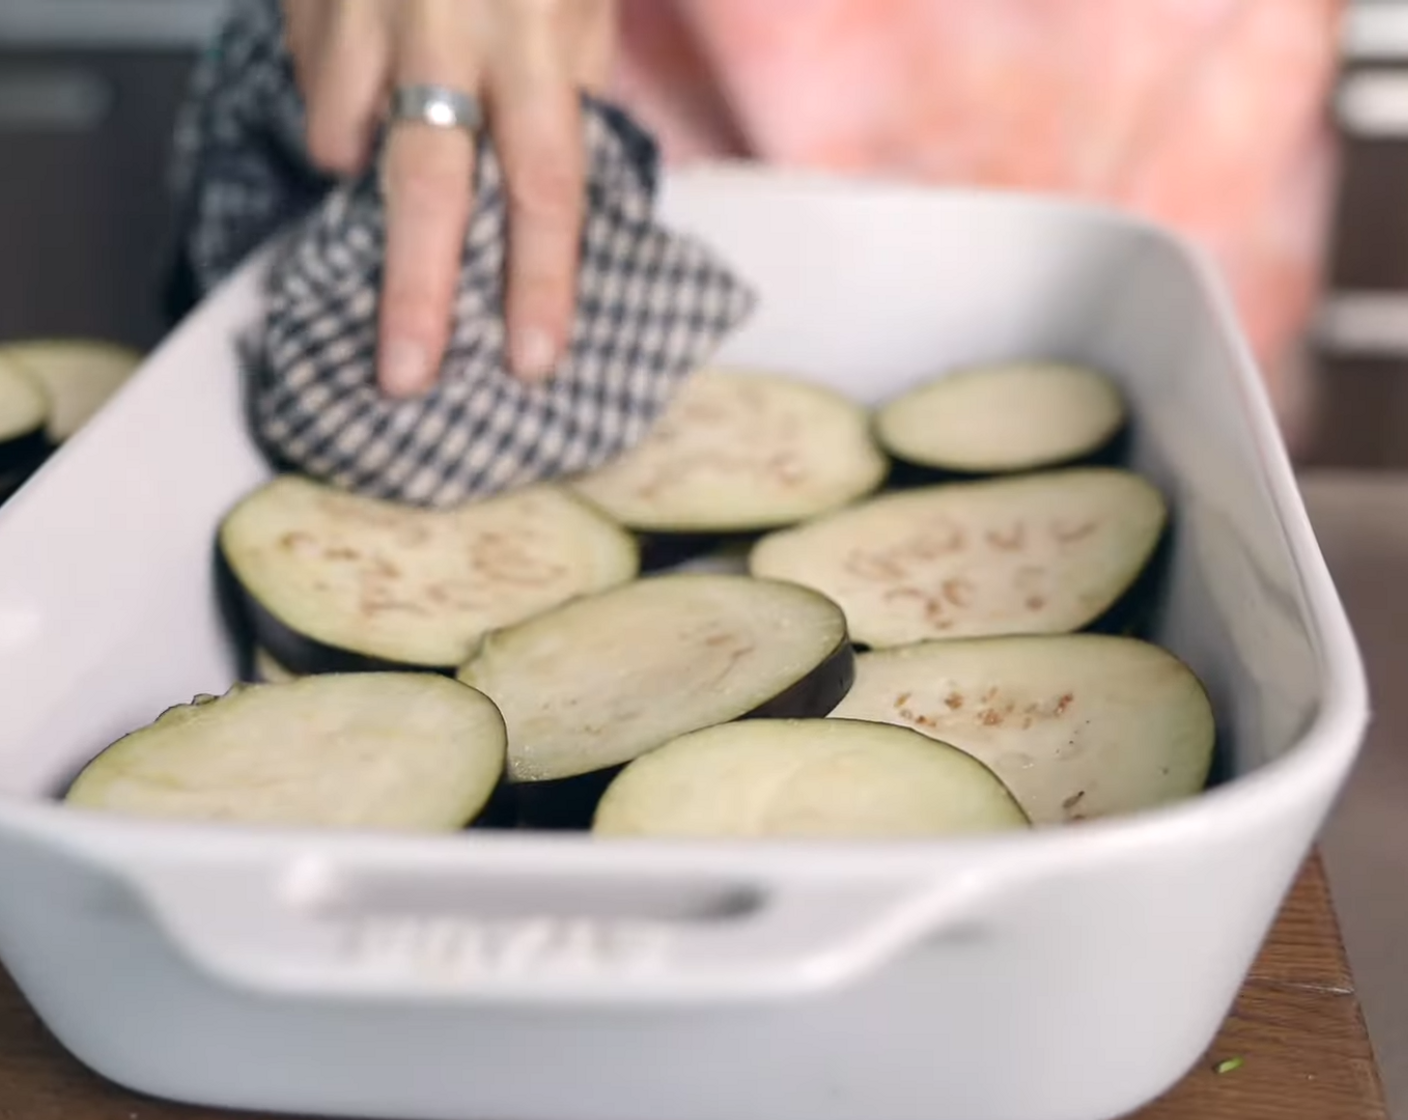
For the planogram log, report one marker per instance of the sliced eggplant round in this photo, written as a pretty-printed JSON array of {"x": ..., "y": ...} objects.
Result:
[
  {"x": 831, "y": 778},
  {"x": 595, "y": 683},
  {"x": 739, "y": 453},
  {"x": 1077, "y": 726},
  {"x": 335, "y": 582},
  {"x": 24, "y": 409},
  {"x": 1003, "y": 418},
  {"x": 1039, "y": 553},
  {"x": 402, "y": 751},
  {"x": 79, "y": 376}
]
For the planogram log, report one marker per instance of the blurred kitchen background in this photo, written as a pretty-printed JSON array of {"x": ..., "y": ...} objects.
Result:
[
  {"x": 89, "y": 90},
  {"x": 88, "y": 93}
]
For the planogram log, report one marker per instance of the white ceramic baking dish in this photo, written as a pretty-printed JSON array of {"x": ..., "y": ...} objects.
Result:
[{"x": 1066, "y": 975}]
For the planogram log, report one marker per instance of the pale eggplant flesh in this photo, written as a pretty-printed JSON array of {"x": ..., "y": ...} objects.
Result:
[
  {"x": 1003, "y": 419},
  {"x": 386, "y": 751},
  {"x": 736, "y": 454},
  {"x": 326, "y": 581},
  {"x": 591, "y": 685},
  {"x": 79, "y": 376},
  {"x": 813, "y": 778},
  {"x": 1078, "y": 726},
  {"x": 1051, "y": 552}
]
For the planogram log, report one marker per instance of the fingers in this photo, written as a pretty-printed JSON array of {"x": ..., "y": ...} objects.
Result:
[
  {"x": 594, "y": 36},
  {"x": 342, "y": 58},
  {"x": 535, "y": 116},
  {"x": 349, "y": 53},
  {"x": 427, "y": 181}
]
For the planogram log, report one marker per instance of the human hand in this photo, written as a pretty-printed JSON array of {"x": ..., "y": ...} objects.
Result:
[{"x": 525, "y": 60}]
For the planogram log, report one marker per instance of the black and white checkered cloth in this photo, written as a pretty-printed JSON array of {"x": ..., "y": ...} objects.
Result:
[{"x": 652, "y": 304}]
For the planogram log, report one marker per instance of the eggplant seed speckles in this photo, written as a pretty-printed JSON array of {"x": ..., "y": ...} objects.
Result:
[
  {"x": 959, "y": 591},
  {"x": 895, "y": 594},
  {"x": 867, "y": 565},
  {"x": 508, "y": 560},
  {"x": 451, "y": 595},
  {"x": 992, "y": 710},
  {"x": 1010, "y": 540},
  {"x": 721, "y": 430},
  {"x": 300, "y": 544},
  {"x": 940, "y": 538},
  {"x": 413, "y": 586},
  {"x": 934, "y": 574},
  {"x": 378, "y": 604},
  {"x": 917, "y": 719},
  {"x": 1069, "y": 534},
  {"x": 785, "y": 468}
]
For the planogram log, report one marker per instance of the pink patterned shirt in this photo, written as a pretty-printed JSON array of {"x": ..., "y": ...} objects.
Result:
[{"x": 1208, "y": 115}]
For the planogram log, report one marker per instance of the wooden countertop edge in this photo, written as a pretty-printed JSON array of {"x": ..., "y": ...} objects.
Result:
[{"x": 1296, "y": 1046}]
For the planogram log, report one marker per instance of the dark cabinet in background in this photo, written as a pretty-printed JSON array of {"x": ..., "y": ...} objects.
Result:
[{"x": 84, "y": 209}]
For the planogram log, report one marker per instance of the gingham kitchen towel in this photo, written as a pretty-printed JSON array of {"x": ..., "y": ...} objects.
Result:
[{"x": 652, "y": 304}]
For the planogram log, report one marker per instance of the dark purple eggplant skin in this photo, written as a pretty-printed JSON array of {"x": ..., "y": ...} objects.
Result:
[
  {"x": 906, "y": 475},
  {"x": 13, "y": 480},
  {"x": 660, "y": 551},
  {"x": 499, "y": 812},
  {"x": 251, "y": 625},
  {"x": 570, "y": 803},
  {"x": 20, "y": 458},
  {"x": 562, "y": 804},
  {"x": 816, "y": 694},
  {"x": 25, "y": 452}
]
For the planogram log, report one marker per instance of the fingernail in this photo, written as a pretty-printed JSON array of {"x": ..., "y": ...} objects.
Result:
[
  {"x": 404, "y": 368},
  {"x": 534, "y": 354}
]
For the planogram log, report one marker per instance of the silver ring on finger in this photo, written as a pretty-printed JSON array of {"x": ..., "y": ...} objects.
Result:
[{"x": 436, "y": 106}]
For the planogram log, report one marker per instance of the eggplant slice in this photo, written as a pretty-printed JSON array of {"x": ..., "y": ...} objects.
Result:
[
  {"x": 402, "y": 751},
  {"x": 330, "y": 581},
  {"x": 832, "y": 778},
  {"x": 1039, "y": 553},
  {"x": 740, "y": 453},
  {"x": 595, "y": 683},
  {"x": 1077, "y": 726},
  {"x": 24, "y": 410},
  {"x": 79, "y": 376},
  {"x": 1003, "y": 418}
]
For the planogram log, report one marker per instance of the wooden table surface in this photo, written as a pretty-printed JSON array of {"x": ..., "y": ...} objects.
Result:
[{"x": 1296, "y": 1029}]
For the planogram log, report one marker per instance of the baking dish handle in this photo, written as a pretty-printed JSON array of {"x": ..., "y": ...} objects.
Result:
[{"x": 789, "y": 937}]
